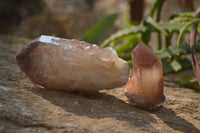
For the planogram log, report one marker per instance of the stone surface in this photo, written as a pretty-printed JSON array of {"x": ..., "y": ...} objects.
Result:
[
  {"x": 71, "y": 65},
  {"x": 145, "y": 88},
  {"x": 27, "y": 109}
]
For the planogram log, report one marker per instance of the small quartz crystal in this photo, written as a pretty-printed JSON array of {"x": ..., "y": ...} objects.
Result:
[
  {"x": 72, "y": 65},
  {"x": 145, "y": 88}
]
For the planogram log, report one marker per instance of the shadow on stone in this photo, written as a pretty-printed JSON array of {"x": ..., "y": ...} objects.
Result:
[
  {"x": 174, "y": 121},
  {"x": 99, "y": 106}
]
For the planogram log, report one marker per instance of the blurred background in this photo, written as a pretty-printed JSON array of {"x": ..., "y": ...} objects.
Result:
[{"x": 72, "y": 18}]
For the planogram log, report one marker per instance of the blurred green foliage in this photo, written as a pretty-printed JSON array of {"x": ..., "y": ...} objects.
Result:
[
  {"x": 188, "y": 81},
  {"x": 99, "y": 30},
  {"x": 174, "y": 58}
]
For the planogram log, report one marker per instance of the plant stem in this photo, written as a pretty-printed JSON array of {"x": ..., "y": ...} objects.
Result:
[
  {"x": 156, "y": 5},
  {"x": 159, "y": 41},
  {"x": 160, "y": 4},
  {"x": 168, "y": 40},
  {"x": 196, "y": 21}
]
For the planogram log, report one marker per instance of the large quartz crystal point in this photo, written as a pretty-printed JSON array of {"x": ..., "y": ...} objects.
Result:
[
  {"x": 145, "y": 88},
  {"x": 72, "y": 65}
]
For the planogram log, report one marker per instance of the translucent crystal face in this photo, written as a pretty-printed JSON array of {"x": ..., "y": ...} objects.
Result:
[
  {"x": 145, "y": 88},
  {"x": 149, "y": 82},
  {"x": 64, "y": 64}
]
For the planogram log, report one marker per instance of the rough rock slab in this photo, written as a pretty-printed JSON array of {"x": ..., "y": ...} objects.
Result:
[{"x": 24, "y": 108}]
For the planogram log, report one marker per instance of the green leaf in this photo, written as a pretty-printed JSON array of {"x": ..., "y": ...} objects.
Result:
[
  {"x": 132, "y": 42},
  {"x": 130, "y": 63},
  {"x": 155, "y": 24},
  {"x": 170, "y": 67},
  {"x": 142, "y": 28},
  {"x": 173, "y": 52},
  {"x": 187, "y": 81},
  {"x": 182, "y": 17},
  {"x": 176, "y": 65},
  {"x": 98, "y": 31},
  {"x": 166, "y": 55},
  {"x": 183, "y": 30},
  {"x": 172, "y": 27},
  {"x": 123, "y": 33},
  {"x": 125, "y": 56}
]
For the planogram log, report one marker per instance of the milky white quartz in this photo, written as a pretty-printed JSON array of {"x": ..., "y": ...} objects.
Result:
[
  {"x": 72, "y": 65},
  {"x": 145, "y": 88}
]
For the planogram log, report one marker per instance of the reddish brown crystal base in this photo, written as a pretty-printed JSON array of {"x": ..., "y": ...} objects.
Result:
[{"x": 142, "y": 103}]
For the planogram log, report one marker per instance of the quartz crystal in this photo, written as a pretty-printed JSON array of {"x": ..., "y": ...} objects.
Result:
[
  {"x": 72, "y": 65},
  {"x": 145, "y": 88}
]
